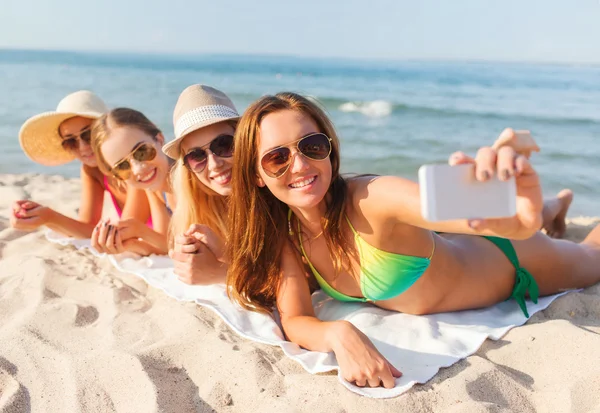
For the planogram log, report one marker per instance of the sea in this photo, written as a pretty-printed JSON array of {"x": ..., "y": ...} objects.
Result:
[{"x": 391, "y": 116}]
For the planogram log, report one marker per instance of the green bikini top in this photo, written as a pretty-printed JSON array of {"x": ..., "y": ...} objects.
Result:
[{"x": 383, "y": 275}]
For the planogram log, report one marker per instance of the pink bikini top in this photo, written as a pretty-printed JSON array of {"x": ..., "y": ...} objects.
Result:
[{"x": 116, "y": 204}]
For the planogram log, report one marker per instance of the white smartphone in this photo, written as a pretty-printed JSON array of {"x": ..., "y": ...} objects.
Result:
[{"x": 452, "y": 192}]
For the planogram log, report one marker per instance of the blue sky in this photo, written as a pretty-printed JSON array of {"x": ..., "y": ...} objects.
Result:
[{"x": 522, "y": 30}]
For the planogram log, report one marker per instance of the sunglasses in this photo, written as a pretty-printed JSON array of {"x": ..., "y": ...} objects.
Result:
[
  {"x": 276, "y": 162},
  {"x": 142, "y": 153},
  {"x": 71, "y": 142},
  {"x": 197, "y": 158}
]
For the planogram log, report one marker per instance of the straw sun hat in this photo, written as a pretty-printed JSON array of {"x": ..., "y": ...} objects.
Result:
[
  {"x": 39, "y": 135},
  {"x": 198, "y": 106}
]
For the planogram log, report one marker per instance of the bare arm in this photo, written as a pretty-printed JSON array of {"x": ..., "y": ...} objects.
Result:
[
  {"x": 28, "y": 215},
  {"x": 294, "y": 303},
  {"x": 136, "y": 205},
  {"x": 359, "y": 360},
  {"x": 398, "y": 200}
]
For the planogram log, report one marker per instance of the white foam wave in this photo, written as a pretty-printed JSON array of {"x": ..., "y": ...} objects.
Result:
[{"x": 375, "y": 108}]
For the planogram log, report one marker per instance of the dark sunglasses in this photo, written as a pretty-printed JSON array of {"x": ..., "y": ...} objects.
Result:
[
  {"x": 71, "y": 143},
  {"x": 197, "y": 158},
  {"x": 276, "y": 162},
  {"x": 142, "y": 153}
]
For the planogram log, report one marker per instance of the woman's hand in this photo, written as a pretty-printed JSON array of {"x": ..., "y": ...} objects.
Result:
[
  {"x": 195, "y": 260},
  {"x": 521, "y": 141},
  {"x": 132, "y": 228},
  {"x": 106, "y": 238},
  {"x": 29, "y": 215},
  {"x": 360, "y": 362},
  {"x": 208, "y": 237},
  {"x": 506, "y": 163}
]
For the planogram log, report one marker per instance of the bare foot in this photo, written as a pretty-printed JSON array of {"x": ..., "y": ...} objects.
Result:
[{"x": 555, "y": 214}]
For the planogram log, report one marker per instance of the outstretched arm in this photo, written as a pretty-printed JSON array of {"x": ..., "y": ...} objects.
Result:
[
  {"x": 29, "y": 215},
  {"x": 398, "y": 199}
]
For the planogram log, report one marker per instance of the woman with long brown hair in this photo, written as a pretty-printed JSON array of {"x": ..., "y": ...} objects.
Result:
[{"x": 294, "y": 218}]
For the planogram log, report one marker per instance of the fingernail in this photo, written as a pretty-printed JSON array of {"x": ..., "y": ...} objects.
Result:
[
  {"x": 505, "y": 174},
  {"x": 486, "y": 175}
]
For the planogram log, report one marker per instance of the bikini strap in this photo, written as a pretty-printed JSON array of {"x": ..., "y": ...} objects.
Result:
[
  {"x": 433, "y": 249},
  {"x": 350, "y": 224},
  {"x": 524, "y": 281},
  {"x": 164, "y": 195}
]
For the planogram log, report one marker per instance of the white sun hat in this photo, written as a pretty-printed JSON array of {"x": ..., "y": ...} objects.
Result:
[{"x": 198, "y": 106}]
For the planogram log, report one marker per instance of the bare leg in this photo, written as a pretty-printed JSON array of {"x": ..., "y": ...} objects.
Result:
[
  {"x": 555, "y": 213},
  {"x": 593, "y": 238},
  {"x": 556, "y": 265}
]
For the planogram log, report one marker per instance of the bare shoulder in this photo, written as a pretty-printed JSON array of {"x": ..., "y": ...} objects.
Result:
[
  {"x": 370, "y": 193},
  {"x": 92, "y": 173}
]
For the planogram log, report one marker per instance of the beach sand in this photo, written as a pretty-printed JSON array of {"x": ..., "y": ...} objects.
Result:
[{"x": 78, "y": 336}]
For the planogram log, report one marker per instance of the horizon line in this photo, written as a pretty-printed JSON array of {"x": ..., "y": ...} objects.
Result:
[{"x": 300, "y": 56}]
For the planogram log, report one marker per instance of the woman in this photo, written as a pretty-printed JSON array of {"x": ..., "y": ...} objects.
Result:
[
  {"x": 364, "y": 239},
  {"x": 127, "y": 145},
  {"x": 204, "y": 121},
  {"x": 55, "y": 138}
]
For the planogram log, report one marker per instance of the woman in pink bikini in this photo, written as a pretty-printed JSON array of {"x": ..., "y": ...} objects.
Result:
[
  {"x": 128, "y": 147},
  {"x": 55, "y": 138}
]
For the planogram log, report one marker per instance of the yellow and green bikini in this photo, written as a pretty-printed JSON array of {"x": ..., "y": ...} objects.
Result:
[{"x": 385, "y": 275}]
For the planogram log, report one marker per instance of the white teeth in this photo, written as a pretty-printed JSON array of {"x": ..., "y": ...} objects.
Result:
[
  {"x": 147, "y": 177},
  {"x": 221, "y": 179},
  {"x": 303, "y": 183}
]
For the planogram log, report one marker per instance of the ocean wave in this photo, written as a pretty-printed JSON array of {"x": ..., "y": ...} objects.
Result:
[
  {"x": 383, "y": 108},
  {"x": 374, "y": 109}
]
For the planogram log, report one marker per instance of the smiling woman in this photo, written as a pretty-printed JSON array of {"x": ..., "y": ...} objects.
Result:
[
  {"x": 204, "y": 121},
  {"x": 55, "y": 138},
  {"x": 294, "y": 218},
  {"x": 127, "y": 145}
]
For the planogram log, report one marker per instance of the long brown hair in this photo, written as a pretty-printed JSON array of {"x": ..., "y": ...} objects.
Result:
[
  {"x": 258, "y": 220},
  {"x": 117, "y": 118}
]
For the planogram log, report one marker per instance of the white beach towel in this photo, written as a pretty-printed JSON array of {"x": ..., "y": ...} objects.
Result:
[{"x": 417, "y": 345}]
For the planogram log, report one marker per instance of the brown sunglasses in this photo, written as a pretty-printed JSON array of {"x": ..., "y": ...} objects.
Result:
[
  {"x": 71, "y": 143},
  {"x": 141, "y": 153},
  {"x": 276, "y": 162}
]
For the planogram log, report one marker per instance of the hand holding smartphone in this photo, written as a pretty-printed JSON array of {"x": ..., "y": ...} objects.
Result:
[{"x": 452, "y": 192}]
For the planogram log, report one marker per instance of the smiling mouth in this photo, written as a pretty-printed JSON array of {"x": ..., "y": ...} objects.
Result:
[
  {"x": 303, "y": 183},
  {"x": 223, "y": 178},
  {"x": 148, "y": 177}
]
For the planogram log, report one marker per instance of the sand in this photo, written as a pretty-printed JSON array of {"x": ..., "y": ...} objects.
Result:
[{"x": 78, "y": 336}]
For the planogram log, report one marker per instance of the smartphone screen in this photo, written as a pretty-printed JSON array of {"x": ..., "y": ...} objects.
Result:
[{"x": 452, "y": 192}]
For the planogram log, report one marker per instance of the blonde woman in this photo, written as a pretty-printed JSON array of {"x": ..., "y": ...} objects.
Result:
[
  {"x": 127, "y": 145},
  {"x": 204, "y": 121},
  {"x": 55, "y": 138}
]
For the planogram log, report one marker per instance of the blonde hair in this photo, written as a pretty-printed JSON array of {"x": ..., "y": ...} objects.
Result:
[
  {"x": 196, "y": 203},
  {"x": 117, "y": 118},
  {"x": 258, "y": 220}
]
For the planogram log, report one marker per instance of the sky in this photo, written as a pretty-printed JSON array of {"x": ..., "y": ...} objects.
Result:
[{"x": 562, "y": 31}]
